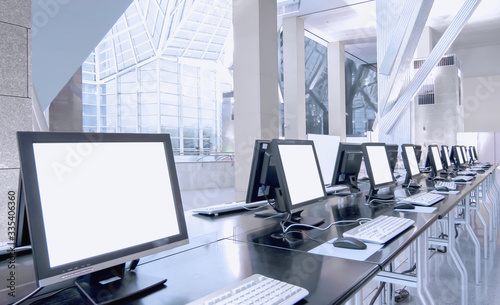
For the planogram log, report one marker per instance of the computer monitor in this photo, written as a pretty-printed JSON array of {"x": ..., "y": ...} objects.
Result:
[
  {"x": 392, "y": 155},
  {"x": 299, "y": 177},
  {"x": 418, "y": 152},
  {"x": 445, "y": 157},
  {"x": 255, "y": 191},
  {"x": 435, "y": 160},
  {"x": 456, "y": 156},
  {"x": 347, "y": 165},
  {"x": 464, "y": 154},
  {"x": 410, "y": 163},
  {"x": 472, "y": 153},
  {"x": 326, "y": 148},
  {"x": 377, "y": 168},
  {"x": 96, "y": 201}
]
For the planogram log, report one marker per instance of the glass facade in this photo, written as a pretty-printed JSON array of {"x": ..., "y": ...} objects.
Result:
[
  {"x": 163, "y": 68},
  {"x": 361, "y": 96},
  {"x": 316, "y": 86}
]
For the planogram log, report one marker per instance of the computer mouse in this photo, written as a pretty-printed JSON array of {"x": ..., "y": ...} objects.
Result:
[
  {"x": 349, "y": 243},
  {"x": 404, "y": 206},
  {"x": 442, "y": 189}
]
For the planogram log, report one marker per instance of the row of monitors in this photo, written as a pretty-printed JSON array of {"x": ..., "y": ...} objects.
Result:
[{"x": 288, "y": 171}]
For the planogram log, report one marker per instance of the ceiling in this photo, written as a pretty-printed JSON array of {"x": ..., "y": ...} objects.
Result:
[{"x": 354, "y": 22}]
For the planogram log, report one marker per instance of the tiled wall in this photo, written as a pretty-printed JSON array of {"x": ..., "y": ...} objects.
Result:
[{"x": 15, "y": 95}]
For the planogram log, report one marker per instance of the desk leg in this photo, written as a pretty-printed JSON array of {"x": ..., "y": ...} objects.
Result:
[
  {"x": 456, "y": 258},
  {"x": 477, "y": 246},
  {"x": 493, "y": 194},
  {"x": 423, "y": 269},
  {"x": 485, "y": 226},
  {"x": 356, "y": 300},
  {"x": 484, "y": 191}
]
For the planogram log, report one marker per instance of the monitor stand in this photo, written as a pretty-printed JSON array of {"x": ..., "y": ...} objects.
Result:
[
  {"x": 373, "y": 195},
  {"x": 114, "y": 284},
  {"x": 296, "y": 218}
]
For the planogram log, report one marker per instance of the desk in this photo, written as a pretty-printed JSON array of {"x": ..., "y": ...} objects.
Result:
[
  {"x": 242, "y": 246},
  {"x": 202, "y": 270}
]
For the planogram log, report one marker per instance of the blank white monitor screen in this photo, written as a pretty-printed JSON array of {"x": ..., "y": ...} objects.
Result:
[
  {"x": 301, "y": 172},
  {"x": 464, "y": 152},
  {"x": 379, "y": 164},
  {"x": 412, "y": 160},
  {"x": 327, "y": 147},
  {"x": 446, "y": 156},
  {"x": 460, "y": 155},
  {"x": 109, "y": 185},
  {"x": 437, "y": 159}
]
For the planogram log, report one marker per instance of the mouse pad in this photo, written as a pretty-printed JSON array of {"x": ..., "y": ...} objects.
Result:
[{"x": 328, "y": 249}]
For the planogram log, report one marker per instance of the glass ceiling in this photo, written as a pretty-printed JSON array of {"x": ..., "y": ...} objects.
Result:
[{"x": 149, "y": 29}]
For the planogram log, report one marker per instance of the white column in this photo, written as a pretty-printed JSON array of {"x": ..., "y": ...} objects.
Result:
[
  {"x": 336, "y": 90},
  {"x": 294, "y": 78},
  {"x": 256, "y": 102}
]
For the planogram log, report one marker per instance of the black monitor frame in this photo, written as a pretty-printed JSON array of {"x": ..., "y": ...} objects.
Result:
[
  {"x": 434, "y": 161},
  {"x": 418, "y": 152},
  {"x": 283, "y": 199},
  {"x": 472, "y": 153},
  {"x": 392, "y": 156},
  {"x": 465, "y": 154},
  {"x": 456, "y": 156},
  {"x": 347, "y": 166},
  {"x": 89, "y": 271},
  {"x": 406, "y": 161},
  {"x": 445, "y": 157},
  {"x": 376, "y": 185},
  {"x": 255, "y": 192}
]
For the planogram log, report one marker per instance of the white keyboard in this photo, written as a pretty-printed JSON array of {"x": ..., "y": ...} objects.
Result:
[
  {"x": 424, "y": 198},
  {"x": 466, "y": 173},
  {"x": 449, "y": 184},
  {"x": 380, "y": 230},
  {"x": 465, "y": 178},
  {"x": 228, "y": 207},
  {"x": 335, "y": 188},
  {"x": 255, "y": 289}
]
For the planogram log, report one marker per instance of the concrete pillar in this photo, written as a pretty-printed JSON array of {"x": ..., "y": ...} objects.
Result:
[
  {"x": 65, "y": 111},
  {"x": 256, "y": 102},
  {"x": 336, "y": 90},
  {"x": 294, "y": 78},
  {"x": 15, "y": 96}
]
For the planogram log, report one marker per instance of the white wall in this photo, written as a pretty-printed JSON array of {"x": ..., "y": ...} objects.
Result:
[{"x": 481, "y": 87}]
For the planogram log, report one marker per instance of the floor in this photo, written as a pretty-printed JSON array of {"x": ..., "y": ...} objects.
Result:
[{"x": 444, "y": 283}]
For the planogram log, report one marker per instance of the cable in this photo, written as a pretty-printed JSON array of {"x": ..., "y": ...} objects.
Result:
[
  {"x": 329, "y": 226},
  {"x": 28, "y": 296}
]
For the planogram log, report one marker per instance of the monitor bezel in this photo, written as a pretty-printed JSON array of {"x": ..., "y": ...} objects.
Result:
[
  {"x": 46, "y": 275},
  {"x": 463, "y": 148},
  {"x": 368, "y": 165},
  {"x": 340, "y": 160},
  {"x": 409, "y": 174},
  {"x": 445, "y": 156},
  {"x": 430, "y": 156},
  {"x": 418, "y": 152},
  {"x": 285, "y": 204},
  {"x": 392, "y": 151},
  {"x": 260, "y": 147}
]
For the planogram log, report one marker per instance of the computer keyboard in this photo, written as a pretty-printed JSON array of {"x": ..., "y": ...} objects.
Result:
[
  {"x": 380, "y": 230},
  {"x": 335, "y": 188},
  {"x": 423, "y": 198},
  {"x": 228, "y": 207},
  {"x": 449, "y": 184},
  {"x": 466, "y": 173},
  {"x": 462, "y": 178},
  {"x": 255, "y": 289}
]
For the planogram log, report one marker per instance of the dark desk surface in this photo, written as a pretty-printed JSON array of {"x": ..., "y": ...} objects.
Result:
[{"x": 202, "y": 270}]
